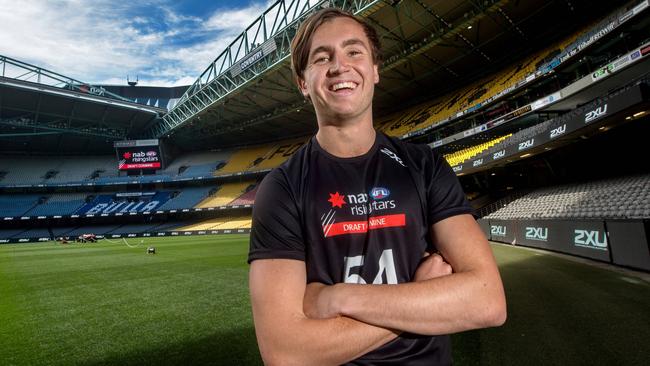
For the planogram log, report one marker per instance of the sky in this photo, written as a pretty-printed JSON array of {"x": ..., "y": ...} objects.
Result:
[{"x": 161, "y": 42}]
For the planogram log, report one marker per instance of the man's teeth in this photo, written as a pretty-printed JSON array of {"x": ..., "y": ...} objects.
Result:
[{"x": 345, "y": 85}]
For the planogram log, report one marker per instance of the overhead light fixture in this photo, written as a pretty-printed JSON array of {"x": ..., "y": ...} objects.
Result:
[
  {"x": 469, "y": 27},
  {"x": 639, "y": 114},
  {"x": 602, "y": 128},
  {"x": 525, "y": 156},
  {"x": 493, "y": 174}
]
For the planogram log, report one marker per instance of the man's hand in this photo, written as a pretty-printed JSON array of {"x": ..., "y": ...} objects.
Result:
[
  {"x": 318, "y": 302},
  {"x": 432, "y": 266}
]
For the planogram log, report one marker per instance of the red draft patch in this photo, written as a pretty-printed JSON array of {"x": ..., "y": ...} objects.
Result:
[{"x": 358, "y": 227}]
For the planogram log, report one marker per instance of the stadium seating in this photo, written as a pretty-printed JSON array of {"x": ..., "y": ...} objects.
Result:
[
  {"x": 474, "y": 95},
  {"x": 460, "y": 156},
  {"x": 247, "y": 198},
  {"x": 62, "y": 230},
  {"x": 187, "y": 197},
  {"x": 225, "y": 194},
  {"x": 17, "y": 205},
  {"x": 8, "y": 233},
  {"x": 94, "y": 229},
  {"x": 33, "y": 170},
  {"x": 278, "y": 154},
  {"x": 196, "y": 164},
  {"x": 59, "y": 204},
  {"x": 36, "y": 233},
  {"x": 627, "y": 197},
  {"x": 239, "y": 222},
  {"x": 133, "y": 229},
  {"x": 244, "y": 159},
  {"x": 260, "y": 157}
]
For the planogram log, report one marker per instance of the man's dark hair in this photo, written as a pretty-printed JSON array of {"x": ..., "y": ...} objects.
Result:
[{"x": 302, "y": 40}]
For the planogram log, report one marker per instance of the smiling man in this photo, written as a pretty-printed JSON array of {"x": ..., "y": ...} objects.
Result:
[{"x": 341, "y": 265}]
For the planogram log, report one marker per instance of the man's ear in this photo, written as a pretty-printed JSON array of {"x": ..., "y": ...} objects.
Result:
[
  {"x": 376, "y": 72},
  {"x": 302, "y": 85}
]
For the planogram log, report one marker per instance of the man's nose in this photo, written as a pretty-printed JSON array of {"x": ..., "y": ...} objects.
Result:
[{"x": 339, "y": 64}]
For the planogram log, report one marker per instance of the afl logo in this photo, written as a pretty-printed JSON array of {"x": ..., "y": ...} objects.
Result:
[{"x": 379, "y": 193}]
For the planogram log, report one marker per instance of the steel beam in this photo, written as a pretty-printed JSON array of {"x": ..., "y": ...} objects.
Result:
[{"x": 261, "y": 48}]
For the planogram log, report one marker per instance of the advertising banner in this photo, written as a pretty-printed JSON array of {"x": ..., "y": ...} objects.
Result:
[
  {"x": 144, "y": 157},
  {"x": 578, "y": 237},
  {"x": 629, "y": 243},
  {"x": 503, "y": 231}
]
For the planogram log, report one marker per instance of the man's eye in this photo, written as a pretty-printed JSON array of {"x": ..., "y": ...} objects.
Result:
[
  {"x": 354, "y": 53},
  {"x": 321, "y": 60}
]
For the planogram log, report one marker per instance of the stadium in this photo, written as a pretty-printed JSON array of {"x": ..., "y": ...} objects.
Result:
[{"x": 540, "y": 107}]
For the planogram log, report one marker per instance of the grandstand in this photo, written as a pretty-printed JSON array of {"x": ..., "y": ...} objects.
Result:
[
  {"x": 514, "y": 113},
  {"x": 619, "y": 198},
  {"x": 226, "y": 194}
]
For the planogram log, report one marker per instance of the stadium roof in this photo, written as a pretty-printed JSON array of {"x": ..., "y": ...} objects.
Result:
[
  {"x": 42, "y": 112},
  {"x": 247, "y": 96}
]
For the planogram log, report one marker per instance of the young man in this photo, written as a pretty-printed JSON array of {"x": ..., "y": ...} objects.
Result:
[{"x": 340, "y": 266}]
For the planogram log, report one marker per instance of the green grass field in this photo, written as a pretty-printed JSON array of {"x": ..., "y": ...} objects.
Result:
[{"x": 108, "y": 304}]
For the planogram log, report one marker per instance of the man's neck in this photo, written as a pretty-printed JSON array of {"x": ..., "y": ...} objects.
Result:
[{"x": 346, "y": 141}]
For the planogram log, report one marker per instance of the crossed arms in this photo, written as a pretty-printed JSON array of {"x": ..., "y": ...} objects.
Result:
[{"x": 296, "y": 323}]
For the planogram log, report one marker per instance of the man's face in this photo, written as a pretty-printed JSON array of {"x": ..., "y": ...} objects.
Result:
[{"x": 340, "y": 76}]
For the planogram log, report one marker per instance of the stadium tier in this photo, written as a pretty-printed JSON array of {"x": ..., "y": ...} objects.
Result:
[
  {"x": 187, "y": 197},
  {"x": 239, "y": 222},
  {"x": 247, "y": 198},
  {"x": 16, "y": 205},
  {"x": 627, "y": 197},
  {"x": 490, "y": 88},
  {"x": 476, "y": 94},
  {"x": 260, "y": 157},
  {"x": 79, "y": 170},
  {"x": 460, "y": 156},
  {"x": 226, "y": 194}
]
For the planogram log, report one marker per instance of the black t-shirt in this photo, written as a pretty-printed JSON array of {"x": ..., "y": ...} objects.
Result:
[{"x": 365, "y": 219}]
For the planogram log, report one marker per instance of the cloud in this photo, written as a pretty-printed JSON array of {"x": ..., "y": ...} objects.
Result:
[
  {"x": 230, "y": 19},
  {"x": 103, "y": 41}
]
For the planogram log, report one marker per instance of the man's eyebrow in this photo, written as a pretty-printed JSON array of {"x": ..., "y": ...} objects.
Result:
[
  {"x": 354, "y": 41},
  {"x": 347, "y": 42},
  {"x": 319, "y": 49}
]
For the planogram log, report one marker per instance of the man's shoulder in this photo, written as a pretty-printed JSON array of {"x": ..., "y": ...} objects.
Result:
[{"x": 417, "y": 156}]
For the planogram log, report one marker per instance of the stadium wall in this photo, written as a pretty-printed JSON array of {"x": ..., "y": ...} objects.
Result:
[
  {"x": 136, "y": 235},
  {"x": 620, "y": 242}
]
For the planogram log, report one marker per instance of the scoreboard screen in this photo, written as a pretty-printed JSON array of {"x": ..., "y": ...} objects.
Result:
[{"x": 139, "y": 154}]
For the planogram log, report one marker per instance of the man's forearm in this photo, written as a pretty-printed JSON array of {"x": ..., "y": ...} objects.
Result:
[
  {"x": 333, "y": 341},
  {"x": 287, "y": 337},
  {"x": 443, "y": 305}
]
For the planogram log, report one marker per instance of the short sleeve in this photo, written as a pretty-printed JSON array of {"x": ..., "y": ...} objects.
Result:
[
  {"x": 444, "y": 193},
  {"x": 276, "y": 230}
]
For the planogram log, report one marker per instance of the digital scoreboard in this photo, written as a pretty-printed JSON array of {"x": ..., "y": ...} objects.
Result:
[{"x": 138, "y": 155}]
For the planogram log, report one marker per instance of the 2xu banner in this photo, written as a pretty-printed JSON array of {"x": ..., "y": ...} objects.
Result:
[{"x": 619, "y": 242}]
